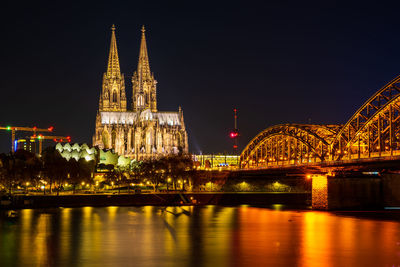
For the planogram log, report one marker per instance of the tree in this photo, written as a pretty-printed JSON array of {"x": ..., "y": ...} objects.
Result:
[
  {"x": 9, "y": 169},
  {"x": 73, "y": 173},
  {"x": 178, "y": 167},
  {"x": 86, "y": 170},
  {"x": 154, "y": 170},
  {"x": 30, "y": 167},
  {"x": 55, "y": 168}
]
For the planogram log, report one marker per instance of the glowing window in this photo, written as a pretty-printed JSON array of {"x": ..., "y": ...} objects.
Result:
[{"x": 114, "y": 98}]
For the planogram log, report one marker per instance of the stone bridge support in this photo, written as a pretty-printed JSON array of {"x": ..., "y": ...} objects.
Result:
[{"x": 391, "y": 189}]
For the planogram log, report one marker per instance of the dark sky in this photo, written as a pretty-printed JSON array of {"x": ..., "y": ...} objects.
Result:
[{"x": 276, "y": 61}]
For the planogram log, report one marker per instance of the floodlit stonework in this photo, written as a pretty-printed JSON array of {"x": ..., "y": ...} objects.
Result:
[{"x": 143, "y": 132}]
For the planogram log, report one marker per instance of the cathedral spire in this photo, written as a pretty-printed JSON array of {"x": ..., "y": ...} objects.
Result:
[
  {"x": 143, "y": 82},
  {"x": 143, "y": 65},
  {"x": 113, "y": 96},
  {"x": 113, "y": 69}
]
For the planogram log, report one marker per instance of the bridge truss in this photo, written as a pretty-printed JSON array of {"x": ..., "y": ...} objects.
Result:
[{"x": 372, "y": 132}]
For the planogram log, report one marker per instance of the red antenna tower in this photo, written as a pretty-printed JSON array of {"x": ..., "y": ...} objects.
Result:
[{"x": 234, "y": 134}]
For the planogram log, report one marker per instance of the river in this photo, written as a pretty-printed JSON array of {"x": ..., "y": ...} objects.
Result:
[{"x": 197, "y": 236}]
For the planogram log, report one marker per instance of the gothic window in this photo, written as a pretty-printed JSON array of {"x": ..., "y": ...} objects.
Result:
[
  {"x": 140, "y": 100},
  {"x": 113, "y": 137},
  {"x": 105, "y": 139},
  {"x": 125, "y": 141},
  {"x": 132, "y": 139},
  {"x": 114, "y": 98}
]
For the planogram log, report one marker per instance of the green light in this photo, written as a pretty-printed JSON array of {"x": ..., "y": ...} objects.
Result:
[
  {"x": 39, "y": 137},
  {"x": 8, "y": 128}
]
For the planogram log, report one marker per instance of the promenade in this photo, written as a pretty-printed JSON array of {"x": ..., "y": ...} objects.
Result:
[{"x": 301, "y": 200}]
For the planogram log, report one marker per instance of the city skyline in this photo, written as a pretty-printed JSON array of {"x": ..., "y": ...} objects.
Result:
[
  {"x": 200, "y": 134},
  {"x": 296, "y": 70}
]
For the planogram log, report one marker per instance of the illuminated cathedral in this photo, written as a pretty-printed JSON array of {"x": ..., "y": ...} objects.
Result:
[{"x": 142, "y": 132}]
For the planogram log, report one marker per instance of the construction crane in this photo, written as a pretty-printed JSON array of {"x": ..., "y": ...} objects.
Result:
[
  {"x": 23, "y": 129},
  {"x": 40, "y": 138}
]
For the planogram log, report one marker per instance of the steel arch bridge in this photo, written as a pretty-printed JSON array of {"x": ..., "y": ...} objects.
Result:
[{"x": 372, "y": 132}]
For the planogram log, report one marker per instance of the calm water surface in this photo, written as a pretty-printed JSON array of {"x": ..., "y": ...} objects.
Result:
[{"x": 195, "y": 236}]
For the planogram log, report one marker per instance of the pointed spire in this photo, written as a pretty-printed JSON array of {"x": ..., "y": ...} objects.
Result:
[
  {"x": 113, "y": 69},
  {"x": 143, "y": 65}
]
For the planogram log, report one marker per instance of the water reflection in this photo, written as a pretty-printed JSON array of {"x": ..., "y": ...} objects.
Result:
[{"x": 195, "y": 236}]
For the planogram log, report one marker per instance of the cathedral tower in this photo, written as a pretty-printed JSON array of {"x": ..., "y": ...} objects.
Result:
[
  {"x": 143, "y": 82},
  {"x": 113, "y": 97}
]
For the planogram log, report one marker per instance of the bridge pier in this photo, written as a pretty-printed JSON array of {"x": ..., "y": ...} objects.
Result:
[
  {"x": 391, "y": 189},
  {"x": 338, "y": 193},
  {"x": 319, "y": 192}
]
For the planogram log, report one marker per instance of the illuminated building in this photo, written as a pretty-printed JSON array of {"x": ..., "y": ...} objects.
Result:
[
  {"x": 26, "y": 144},
  {"x": 142, "y": 132},
  {"x": 216, "y": 161},
  {"x": 78, "y": 152}
]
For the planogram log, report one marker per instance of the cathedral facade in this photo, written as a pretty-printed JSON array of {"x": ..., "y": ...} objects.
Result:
[{"x": 141, "y": 132}]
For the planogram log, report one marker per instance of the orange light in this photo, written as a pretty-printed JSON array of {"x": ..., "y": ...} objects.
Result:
[{"x": 51, "y": 128}]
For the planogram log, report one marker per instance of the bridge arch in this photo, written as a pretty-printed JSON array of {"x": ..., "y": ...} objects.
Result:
[
  {"x": 289, "y": 144},
  {"x": 373, "y": 130}
]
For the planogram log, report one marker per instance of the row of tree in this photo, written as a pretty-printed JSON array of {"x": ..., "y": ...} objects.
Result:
[
  {"x": 173, "y": 172},
  {"x": 52, "y": 171}
]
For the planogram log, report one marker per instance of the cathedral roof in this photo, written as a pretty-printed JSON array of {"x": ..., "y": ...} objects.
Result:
[{"x": 164, "y": 118}]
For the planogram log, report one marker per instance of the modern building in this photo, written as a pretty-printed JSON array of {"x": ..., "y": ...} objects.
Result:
[
  {"x": 212, "y": 161},
  {"x": 83, "y": 151},
  {"x": 141, "y": 132},
  {"x": 27, "y": 144}
]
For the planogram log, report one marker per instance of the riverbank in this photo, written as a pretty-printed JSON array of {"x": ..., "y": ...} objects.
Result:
[{"x": 158, "y": 199}]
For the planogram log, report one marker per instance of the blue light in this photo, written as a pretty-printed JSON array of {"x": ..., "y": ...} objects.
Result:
[
  {"x": 15, "y": 145},
  {"x": 371, "y": 173}
]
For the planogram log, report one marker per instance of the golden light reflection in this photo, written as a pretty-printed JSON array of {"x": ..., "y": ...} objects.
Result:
[
  {"x": 315, "y": 249},
  {"x": 90, "y": 231},
  {"x": 40, "y": 241},
  {"x": 264, "y": 232},
  {"x": 217, "y": 241},
  {"x": 197, "y": 236},
  {"x": 26, "y": 228},
  {"x": 330, "y": 240},
  {"x": 65, "y": 237},
  {"x": 112, "y": 212}
]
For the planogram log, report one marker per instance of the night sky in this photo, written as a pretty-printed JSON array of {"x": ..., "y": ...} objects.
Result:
[{"x": 277, "y": 62}]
